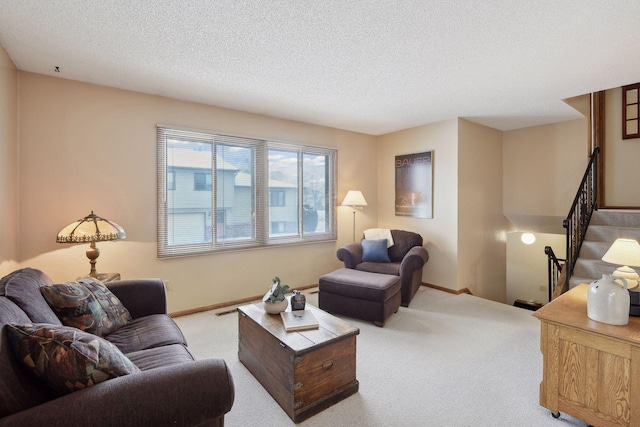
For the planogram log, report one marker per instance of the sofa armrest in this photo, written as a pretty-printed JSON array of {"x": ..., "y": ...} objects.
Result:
[
  {"x": 142, "y": 297},
  {"x": 416, "y": 258},
  {"x": 187, "y": 394},
  {"x": 350, "y": 254}
]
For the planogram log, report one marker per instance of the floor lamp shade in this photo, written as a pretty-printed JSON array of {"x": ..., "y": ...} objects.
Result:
[
  {"x": 91, "y": 229},
  {"x": 355, "y": 199}
]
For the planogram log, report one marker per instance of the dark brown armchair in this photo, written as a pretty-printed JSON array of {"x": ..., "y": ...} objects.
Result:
[{"x": 407, "y": 258}]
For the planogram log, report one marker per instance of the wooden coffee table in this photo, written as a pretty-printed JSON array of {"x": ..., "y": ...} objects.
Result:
[{"x": 304, "y": 371}]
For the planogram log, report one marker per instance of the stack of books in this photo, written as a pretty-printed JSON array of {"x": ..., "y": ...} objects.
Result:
[{"x": 298, "y": 320}]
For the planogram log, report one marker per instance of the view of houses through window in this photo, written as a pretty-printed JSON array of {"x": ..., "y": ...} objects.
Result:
[{"x": 222, "y": 192}]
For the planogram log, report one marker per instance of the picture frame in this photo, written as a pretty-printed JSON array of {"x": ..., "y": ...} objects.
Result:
[{"x": 414, "y": 185}]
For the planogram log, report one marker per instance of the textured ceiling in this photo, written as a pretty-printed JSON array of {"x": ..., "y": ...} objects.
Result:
[{"x": 367, "y": 66}]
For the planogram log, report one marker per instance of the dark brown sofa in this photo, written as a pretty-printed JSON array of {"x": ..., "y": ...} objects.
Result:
[
  {"x": 172, "y": 388},
  {"x": 407, "y": 257}
]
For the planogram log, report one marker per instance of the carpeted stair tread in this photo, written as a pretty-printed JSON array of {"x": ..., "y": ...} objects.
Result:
[
  {"x": 607, "y": 233},
  {"x": 605, "y": 227},
  {"x": 592, "y": 249},
  {"x": 616, "y": 218}
]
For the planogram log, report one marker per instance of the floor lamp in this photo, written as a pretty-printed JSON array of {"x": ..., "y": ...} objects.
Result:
[{"x": 355, "y": 199}]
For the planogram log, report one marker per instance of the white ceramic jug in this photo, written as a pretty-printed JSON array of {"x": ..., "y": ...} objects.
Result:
[{"x": 608, "y": 302}]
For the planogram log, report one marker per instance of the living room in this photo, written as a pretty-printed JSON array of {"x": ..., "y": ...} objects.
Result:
[
  {"x": 100, "y": 140},
  {"x": 72, "y": 145}
]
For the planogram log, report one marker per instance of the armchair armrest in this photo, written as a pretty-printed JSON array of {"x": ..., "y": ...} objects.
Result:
[
  {"x": 142, "y": 297},
  {"x": 350, "y": 254},
  {"x": 187, "y": 394},
  {"x": 416, "y": 258}
]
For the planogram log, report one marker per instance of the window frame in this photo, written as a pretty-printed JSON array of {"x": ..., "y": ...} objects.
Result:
[
  {"x": 261, "y": 197},
  {"x": 277, "y": 196},
  {"x": 202, "y": 185},
  {"x": 631, "y": 111}
]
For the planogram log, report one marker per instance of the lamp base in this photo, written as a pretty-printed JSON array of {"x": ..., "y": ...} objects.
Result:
[
  {"x": 104, "y": 277},
  {"x": 629, "y": 274},
  {"x": 99, "y": 276}
]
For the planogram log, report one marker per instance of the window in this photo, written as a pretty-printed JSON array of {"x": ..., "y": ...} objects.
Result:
[
  {"x": 630, "y": 111},
  {"x": 202, "y": 181},
  {"x": 276, "y": 198},
  {"x": 246, "y": 193},
  {"x": 171, "y": 180}
]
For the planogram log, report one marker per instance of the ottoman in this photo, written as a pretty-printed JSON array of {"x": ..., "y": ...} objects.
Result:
[{"x": 360, "y": 294}]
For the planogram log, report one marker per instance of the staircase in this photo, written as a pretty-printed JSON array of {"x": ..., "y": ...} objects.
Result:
[{"x": 605, "y": 227}]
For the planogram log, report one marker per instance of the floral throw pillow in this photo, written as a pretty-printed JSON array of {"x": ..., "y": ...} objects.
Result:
[
  {"x": 87, "y": 305},
  {"x": 65, "y": 358}
]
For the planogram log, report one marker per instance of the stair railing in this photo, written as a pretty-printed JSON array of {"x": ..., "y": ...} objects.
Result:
[
  {"x": 557, "y": 280},
  {"x": 577, "y": 221}
]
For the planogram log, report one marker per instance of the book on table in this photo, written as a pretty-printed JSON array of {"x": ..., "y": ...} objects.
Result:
[{"x": 299, "y": 320}]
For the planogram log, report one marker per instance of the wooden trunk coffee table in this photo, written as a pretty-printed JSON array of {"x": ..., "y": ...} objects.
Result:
[{"x": 304, "y": 371}]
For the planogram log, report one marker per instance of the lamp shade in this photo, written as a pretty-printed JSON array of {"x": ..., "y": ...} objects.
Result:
[
  {"x": 354, "y": 198},
  {"x": 623, "y": 252},
  {"x": 91, "y": 229}
]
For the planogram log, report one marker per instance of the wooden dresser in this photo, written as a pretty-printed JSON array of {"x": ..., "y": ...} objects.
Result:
[{"x": 591, "y": 369}]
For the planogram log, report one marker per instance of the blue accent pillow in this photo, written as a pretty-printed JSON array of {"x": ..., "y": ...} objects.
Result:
[{"x": 375, "y": 250}]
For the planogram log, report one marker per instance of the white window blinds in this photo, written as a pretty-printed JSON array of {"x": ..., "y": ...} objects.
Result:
[{"x": 220, "y": 192}]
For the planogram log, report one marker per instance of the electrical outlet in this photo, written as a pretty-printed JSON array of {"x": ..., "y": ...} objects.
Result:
[{"x": 543, "y": 288}]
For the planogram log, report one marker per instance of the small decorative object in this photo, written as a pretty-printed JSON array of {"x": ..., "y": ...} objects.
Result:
[
  {"x": 608, "y": 302},
  {"x": 274, "y": 301},
  {"x": 298, "y": 301},
  {"x": 299, "y": 320}
]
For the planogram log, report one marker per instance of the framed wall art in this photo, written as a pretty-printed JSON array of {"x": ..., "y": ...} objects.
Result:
[{"x": 414, "y": 185}]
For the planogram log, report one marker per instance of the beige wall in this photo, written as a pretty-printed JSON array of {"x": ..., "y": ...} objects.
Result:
[
  {"x": 482, "y": 226},
  {"x": 543, "y": 167},
  {"x": 527, "y": 269},
  {"x": 621, "y": 156},
  {"x": 466, "y": 236},
  {"x": 85, "y": 147},
  {"x": 9, "y": 78},
  {"x": 440, "y": 232}
]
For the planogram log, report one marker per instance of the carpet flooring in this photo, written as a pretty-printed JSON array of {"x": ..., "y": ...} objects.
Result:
[{"x": 447, "y": 360}]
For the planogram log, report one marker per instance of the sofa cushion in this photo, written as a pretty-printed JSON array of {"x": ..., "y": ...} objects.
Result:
[
  {"x": 392, "y": 268},
  {"x": 147, "y": 332},
  {"x": 87, "y": 305},
  {"x": 374, "y": 250},
  {"x": 18, "y": 391},
  {"x": 403, "y": 242},
  {"x": 11, "y": 313},
  {"x": 65, "y": 358},
  {"x": 160, "y": 357},
  {"x": 23, "y": 288}
]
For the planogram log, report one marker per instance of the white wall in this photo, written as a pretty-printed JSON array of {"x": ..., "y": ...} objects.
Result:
[
  {"x": 8, "y": 164},
  {"x": 85, "y": 147}
]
